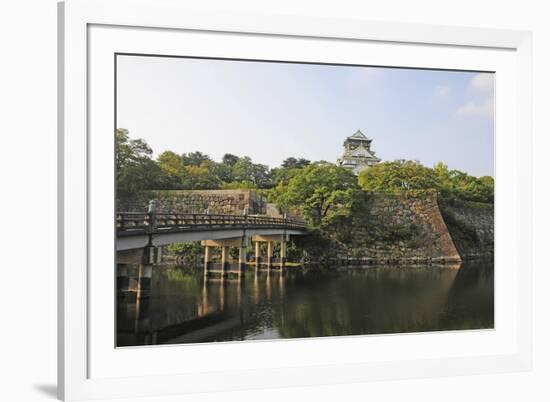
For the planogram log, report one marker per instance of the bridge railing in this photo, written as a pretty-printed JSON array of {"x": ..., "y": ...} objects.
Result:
[{"x": 139, "y": 222}]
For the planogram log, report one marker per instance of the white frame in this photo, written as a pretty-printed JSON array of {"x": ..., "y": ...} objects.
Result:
[{"x": 75, "y": 16}]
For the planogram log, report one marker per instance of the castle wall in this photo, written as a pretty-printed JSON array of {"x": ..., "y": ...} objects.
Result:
[
  {"x": 198, "y": 202},
  {"x": 400, "y": 227},
  {"x": 471, "y": 225}
]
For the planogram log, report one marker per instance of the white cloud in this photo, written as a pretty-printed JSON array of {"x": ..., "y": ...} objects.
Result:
[
  {"x": 482, "y": 82},
  {"x": 442, "y": 92},
  {"x": 479, "y": 109}
]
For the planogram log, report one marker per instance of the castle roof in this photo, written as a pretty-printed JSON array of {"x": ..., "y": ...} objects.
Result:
[
  {"x": 360, "y": 152},
  {"x": 358, "y": 135}
]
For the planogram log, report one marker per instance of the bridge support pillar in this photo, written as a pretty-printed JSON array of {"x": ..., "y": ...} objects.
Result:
[
  {"x": 242, "y": 260},
  {"x": 269, "y": 253},
  {"x": 152, "y": 255},
  {"x": 145, "y": 276},
  {"x": 283, "y": 251},
  {"x": 257, "y": 253},
  {"x": 122, "y": 278},
  {"x": 225, "y": 257},
  {"x": 206, "y": 259}
]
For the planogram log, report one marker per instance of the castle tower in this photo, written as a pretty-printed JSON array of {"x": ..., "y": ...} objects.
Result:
[{"x": 357, "y": 153}]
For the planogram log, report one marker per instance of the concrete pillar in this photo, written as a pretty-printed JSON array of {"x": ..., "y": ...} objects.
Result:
[
  {"x": 144, "y": 280},
  {"x": 122, "y": 278},
  {"x": 225, "y": 258},
  {"x": 269, "y": 253},
  {"x": 283, "y": 251},
  {"x": 257, "y": 250},
  {"x": 152, "y": 255},
  {"x": 242, "y": 259},
  {"x": 206, "y": 259}
]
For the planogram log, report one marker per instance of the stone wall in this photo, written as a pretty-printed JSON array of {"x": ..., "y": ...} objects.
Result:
[
  {"x": 471, "y": 225},
  {"x": 400, "y": 227},
  {"x": 198, "y": 201}
]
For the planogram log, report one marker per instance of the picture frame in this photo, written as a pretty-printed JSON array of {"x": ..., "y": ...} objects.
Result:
[{"x": 91, "y": 32}]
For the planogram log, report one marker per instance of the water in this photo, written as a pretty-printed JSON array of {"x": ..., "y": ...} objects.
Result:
[{"x": 184, "y": 308}]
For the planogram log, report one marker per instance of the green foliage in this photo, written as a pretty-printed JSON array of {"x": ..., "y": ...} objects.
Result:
[
  {"x": 194, "y": 159},
  {"x": 321, "y": 191},
  {"x": 294, "y": 163},
  {"x": 191, "y": 248},
  {"x": 282, "y": 175},
  {"x": 457, "y": 184},
  {"x": 315, "y": 247},
  {"x": 171, "y": 166},
  {"x": 230, "y": 159},
  {"x": 245, "y": 171},
  {"x": 135, "y": 170},
  {"x": 401, "y": 175}
]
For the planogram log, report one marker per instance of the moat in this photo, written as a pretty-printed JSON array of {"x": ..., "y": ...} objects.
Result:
[{"x": 184, "y": 307}]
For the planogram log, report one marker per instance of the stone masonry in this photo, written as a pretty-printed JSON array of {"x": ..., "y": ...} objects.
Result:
[
  {"x": 471, "y": 225},
  {"x": 401, "y": 227},
  {"x": 232, "y": 202}
]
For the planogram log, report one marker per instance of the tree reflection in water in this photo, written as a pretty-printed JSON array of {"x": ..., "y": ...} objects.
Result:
[{"x": 184, "y": 308}]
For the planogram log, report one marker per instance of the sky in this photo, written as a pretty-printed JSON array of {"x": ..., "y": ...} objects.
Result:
[{"x": 270, "y": 111}]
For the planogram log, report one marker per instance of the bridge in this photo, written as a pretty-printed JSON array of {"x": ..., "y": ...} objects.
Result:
[
  {"x": 140, "y": 236},
  {"x": 137, "y": 230}
]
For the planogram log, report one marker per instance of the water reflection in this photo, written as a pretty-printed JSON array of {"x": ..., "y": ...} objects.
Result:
[{"x": 183, "y": 307}]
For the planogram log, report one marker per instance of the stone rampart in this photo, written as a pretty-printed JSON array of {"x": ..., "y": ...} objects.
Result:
[
  {"x": 471, "y": 225},
  {"x": 198, "y": 202},
  {"x": 400, "y": 227}
]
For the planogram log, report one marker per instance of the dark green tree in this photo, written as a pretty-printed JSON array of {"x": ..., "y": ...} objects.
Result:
[
  {"x": 196, "y": 158},
  {"x": 400, "y": 175},
  {"x": 294, "y": 163},
  {"x": 172, "y": 168},
  {"x": 230, "y": 159},
  {"x": 320, "y": 191},
  {"x": 135, "y": 170}
]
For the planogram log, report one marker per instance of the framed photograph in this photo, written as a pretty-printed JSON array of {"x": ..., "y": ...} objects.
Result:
[{"x": 255, "y": 201}]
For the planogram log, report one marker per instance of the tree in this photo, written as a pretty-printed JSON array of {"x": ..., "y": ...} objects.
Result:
[
  {"x": 230, "y": 159},
  {"x": 170, "y": 163},
  {"x": 135, "y": 170},
  {"x": 196, "y": 158},
  {"x": 400, "y": 175},
  {"x": 281, "y": 175},
  {"x": 458, "y": 184},
  {"x": 293, "y": 163},
  {"x": 199, "y": 177},
  {"x": 261, "y": 176},
  {"x": 242, "y": 169},
  {"x": 320, "y": 191},
  {"x": 245, "y": 171},
  {"x": 287, "y": 170},
  {"x": 172, "y": 168},
  {"x": 404, "y": 175},
  {"x": 130, "y": 151}
]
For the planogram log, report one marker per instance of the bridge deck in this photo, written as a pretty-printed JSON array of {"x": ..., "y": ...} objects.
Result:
[
  {"x": 136, "y": 223},
  {"x": 137, "y": 229}
]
